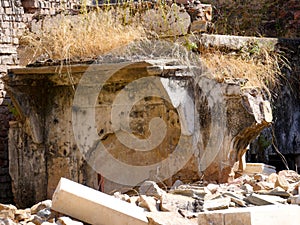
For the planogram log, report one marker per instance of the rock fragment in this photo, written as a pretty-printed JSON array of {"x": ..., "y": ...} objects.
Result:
[
  {"x": 216, "y": 204},
  {"x": 150, "y": 188},
  {"x": 259, "y": 200},
  {"x": 282, "y": 182}
]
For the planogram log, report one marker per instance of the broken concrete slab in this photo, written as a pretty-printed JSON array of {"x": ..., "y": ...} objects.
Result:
[
  {"x": 191, "y": 191},
  {"x": 150, "y": 188},
  {"x": 235, "y": 42},
  {"x": 261, "y": 168},
  {"x": 171, "y": 202},
  {"x": 215, "y": 204},
  {"x": 237, "y": 199},
  {"x": 290, "y": 175},
  {"x": 259, "y": 200},
  {"x": 258, "y": 215},
  {"x": 278, "y": 191},
  {"x": 94, "y": 207}
]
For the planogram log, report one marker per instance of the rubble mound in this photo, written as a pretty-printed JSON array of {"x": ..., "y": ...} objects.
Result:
[{"x": 196, "y": 203}]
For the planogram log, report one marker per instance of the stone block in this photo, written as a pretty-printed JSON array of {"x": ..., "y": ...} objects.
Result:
[
  {"x": 211, "y": 218},
  {"x": 169, "y": 218},
  {"x": 259, "y": 199},
  {"x": 7, "y": 49},
  {"x": 9, "y": 11},
  {"x": 199, "y": 26},
  {"x": 259, "y": 215},
  {"x": 6, "y": 40},
  {"x": 7, "y": 60},
  {"x": 282, "y": 182},
  {"x": 176, "y": 23},
  {"x": 6, "y": 4},
  {"x": 94, "y": 207},
  {"x": 5, "y": 25},
  {"x": 150, "y": 188},
  {"x": 261, "y": 168},
  {"x": 215, "y": 204}
]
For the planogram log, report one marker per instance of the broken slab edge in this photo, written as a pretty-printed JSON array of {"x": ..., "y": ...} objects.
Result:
[{"x": 94, "y": 207}]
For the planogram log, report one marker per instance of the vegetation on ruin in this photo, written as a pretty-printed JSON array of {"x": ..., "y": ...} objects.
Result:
[
  {"x": 80, "y": 37},
  {"x": 90, "y": 34},
  {"x": 261, "y": 67}
]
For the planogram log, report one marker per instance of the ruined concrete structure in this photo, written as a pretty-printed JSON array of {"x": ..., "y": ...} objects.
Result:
[
  {"x": 42, "y": 147},
  {"x": 44, "y": 135}
]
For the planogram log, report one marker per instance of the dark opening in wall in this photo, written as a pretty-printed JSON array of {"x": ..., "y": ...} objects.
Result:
[
  {"x": 6, "y": 195},
  {"x": 30, "y": 6}
]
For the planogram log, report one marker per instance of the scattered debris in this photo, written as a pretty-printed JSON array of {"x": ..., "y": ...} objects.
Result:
[
  {"x": 259, "y": 168},
  {"x": 150, "y": 188},
  {"x": 248, "y": 199}
]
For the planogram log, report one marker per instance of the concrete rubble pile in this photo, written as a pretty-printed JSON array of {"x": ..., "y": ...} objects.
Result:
[{"x": 256, "y": 193}]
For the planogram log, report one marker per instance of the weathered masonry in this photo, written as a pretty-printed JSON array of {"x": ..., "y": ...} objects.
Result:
[
  {"x": 40, "y": 128},
  {"x": 42, "y": 144}
]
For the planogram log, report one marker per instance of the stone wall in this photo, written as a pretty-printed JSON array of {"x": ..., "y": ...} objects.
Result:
[
  {"x": 6, "y": 195},
  {"x": 11, "y": 13},
  {"x": 267, "y": 18},
  {"x": 10, "y": 21},
  {"x": 15, "y": 16},
  {"x": 49, "y": 7}
]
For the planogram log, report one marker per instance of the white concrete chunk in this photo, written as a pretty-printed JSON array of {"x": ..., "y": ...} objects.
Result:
[
  {"x": 258, "y": 215},
  {"x": 254, "y": 168},
  {"x": 94, "y": 207}
]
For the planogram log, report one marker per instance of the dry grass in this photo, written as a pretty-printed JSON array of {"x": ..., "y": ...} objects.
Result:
[
  {"x": 81, "y": 37},
  {"x": 259, "y": 66},
  {"x": 86, "y": 36}
]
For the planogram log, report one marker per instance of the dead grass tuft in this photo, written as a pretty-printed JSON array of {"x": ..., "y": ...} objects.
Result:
[
  {"x": 81, "y": 37},
  {"x": 259, "y": 66}
]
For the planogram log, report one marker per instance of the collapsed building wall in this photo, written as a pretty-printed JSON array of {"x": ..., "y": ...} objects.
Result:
[
  {"x": 22, "y": 144},
  {"x": 45, "y": 146}
]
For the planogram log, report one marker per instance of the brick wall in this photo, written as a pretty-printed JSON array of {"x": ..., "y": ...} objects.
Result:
[
  {"x": 6, "y": 195},
  {"x": 11, "y": 13},
  {"x": 14, "y": 17}
]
